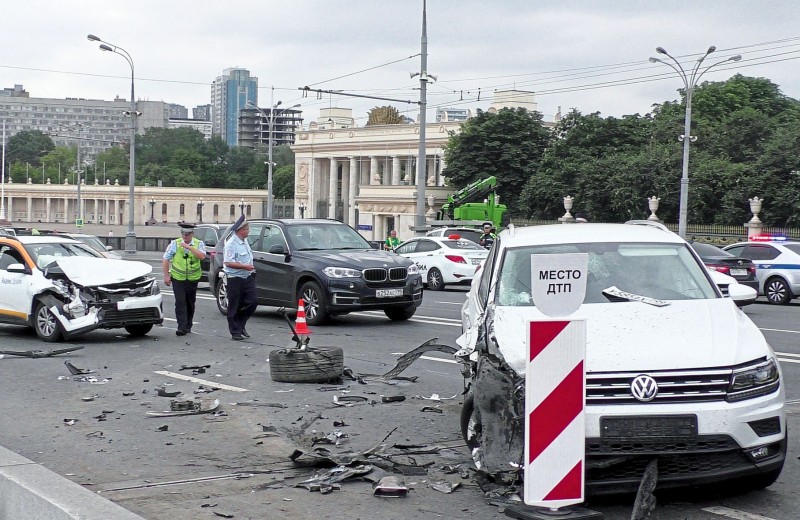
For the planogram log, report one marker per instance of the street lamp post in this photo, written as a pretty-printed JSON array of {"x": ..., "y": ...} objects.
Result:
[
  {"x": 690, "y": 80},
  {"x": 241, "y": 205},
  {"x": 271, "y": 124},
  {"x": 152, "y": 220},
  {"x": 200, "y": 205},
  {"x": 130, "y": 236}
]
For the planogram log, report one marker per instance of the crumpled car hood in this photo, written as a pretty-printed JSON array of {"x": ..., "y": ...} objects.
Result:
[
  {"x": 625, "y": 336},
  {"x": 94, "y": 272}
]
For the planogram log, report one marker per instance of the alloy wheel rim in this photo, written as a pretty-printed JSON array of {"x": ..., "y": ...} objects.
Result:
[
  {"x": 46, "y": 322},
  {"x": 435, "y": 279},
  {"x": 310, "y": 303}
]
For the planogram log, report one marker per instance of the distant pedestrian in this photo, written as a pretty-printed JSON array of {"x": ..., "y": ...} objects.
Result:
[
  {"x": 488, "y": 237},
  {"x": 241, "y": 281},
  {"x": 111, "y": 232},
  {"x": 182, "y": 271},
  {"x": 391, "y": 241}
]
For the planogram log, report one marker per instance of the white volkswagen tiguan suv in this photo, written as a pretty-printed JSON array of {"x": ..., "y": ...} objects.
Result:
[{"x": 714, "y": 406}]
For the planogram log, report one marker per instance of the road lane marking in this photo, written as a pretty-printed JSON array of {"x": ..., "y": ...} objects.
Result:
[
  {"x": 451, "y": 303},
  {"x": 197, "y": 380},
  {"x": 380, "y": 313},
  {"x": 734, "y": 513},
  {"x": 429, "y": 358},
  {"x": 789, "y": 354}
]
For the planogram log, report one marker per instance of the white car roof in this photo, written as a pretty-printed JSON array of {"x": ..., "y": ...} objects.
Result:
[
  {"x": 584, "y": 233},
  {"x": 45, "y": 239}
]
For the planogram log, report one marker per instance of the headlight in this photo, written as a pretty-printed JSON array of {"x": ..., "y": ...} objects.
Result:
[
  {"x": 755, "y": 381},
  {"x": 341, "y": 272},
  {"x": 154, "y": 288},
  {"x": 413, "y": 269}
]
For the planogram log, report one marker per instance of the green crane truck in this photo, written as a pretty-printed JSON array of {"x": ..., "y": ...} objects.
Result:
[{"x": 473, "y": 205}]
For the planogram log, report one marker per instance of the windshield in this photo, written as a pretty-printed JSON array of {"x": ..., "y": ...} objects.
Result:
[
  {"x": 661, "y": 271},
  {"x": 317, "y": 236},
  {"x": 94, "y": 243},
  {"x": 45, "y": 254}
]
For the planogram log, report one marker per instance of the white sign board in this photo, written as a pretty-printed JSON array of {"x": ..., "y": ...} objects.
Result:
[{"x": 558, "y": 282}]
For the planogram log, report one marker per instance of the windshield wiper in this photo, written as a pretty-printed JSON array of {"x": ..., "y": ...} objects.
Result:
[
  {"x": 312, "y": 249},
  {"x": 613, "y": 293},
  {"x": 353, "y": 248}
]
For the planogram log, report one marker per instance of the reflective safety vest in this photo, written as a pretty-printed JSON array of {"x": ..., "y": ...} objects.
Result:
[{"x": 185, "y": 266}]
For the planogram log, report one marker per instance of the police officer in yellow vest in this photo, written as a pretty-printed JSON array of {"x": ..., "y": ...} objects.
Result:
[{"x": 181, "y": 262}]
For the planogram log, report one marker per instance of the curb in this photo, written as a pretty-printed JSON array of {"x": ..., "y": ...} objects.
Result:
[{"x": 29, "y": 490}]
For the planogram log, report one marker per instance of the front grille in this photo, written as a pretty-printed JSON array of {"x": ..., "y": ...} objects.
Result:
[
  {"x": 613, "y": 462},
  {"x": 379, "y": 277},
  {"x": 673, "y": 386},
  {"x": 117, "y": 318}
]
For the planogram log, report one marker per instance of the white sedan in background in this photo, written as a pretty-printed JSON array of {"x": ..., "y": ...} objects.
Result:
[{"x": 444, "y": 260}]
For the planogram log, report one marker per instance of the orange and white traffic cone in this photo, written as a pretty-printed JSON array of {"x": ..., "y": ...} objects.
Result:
[{"x": 300, "y": 322}]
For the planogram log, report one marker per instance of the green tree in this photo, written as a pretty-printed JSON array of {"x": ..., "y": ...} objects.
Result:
[
  {"x": 112, "y": 163},
  {"x": 508, "y": 144},
  {"x": 28, "y": 146},
  {"x": 283, "y": 182}
]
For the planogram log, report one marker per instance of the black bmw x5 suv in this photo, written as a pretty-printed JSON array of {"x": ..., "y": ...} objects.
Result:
[{"x": 327, "y": 264}]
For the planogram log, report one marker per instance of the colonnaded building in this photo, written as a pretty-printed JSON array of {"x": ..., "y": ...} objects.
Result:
[{"x": 366, "y": 176}]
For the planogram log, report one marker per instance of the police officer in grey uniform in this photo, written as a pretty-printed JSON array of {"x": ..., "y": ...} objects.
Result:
[{"x": 240, "y": 272}]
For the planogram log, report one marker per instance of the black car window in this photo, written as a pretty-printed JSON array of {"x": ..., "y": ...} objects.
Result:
[
  {"x": 254, "y": 236},
  {"x": 8, "y": 256},
  {"x": 273, "y": 236},
  {"x": 706, "y": 250},
  {"x": 425, "y": 246},
  {"x": 408, "y": 247},
  {"x": 735, "y": 250},
  {"x": 470, "y": 234},
  {"x": 761, "y": 252}
]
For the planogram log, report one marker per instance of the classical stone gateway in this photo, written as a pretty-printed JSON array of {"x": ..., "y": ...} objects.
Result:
[{"x": 366, "y": 176}]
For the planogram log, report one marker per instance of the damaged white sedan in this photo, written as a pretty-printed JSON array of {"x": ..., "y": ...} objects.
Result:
[
  {"x": 63, "y": 289},
  {"x": 676, "y": 373}
]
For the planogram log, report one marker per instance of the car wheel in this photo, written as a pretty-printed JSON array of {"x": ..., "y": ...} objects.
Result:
[
  {"x": 435, "y": 281},
  {"x": 46, "y": 324},
  {"x": 777, "y": 291},
  {"x": 313, "y": 365},
  {"x": 137, "y": 331},
  {"x": 400, "y": 313},
  {"x": 221, "y": 294},
  {"x": 470, "y": 423},
  {"x": 314, "y": 303}
]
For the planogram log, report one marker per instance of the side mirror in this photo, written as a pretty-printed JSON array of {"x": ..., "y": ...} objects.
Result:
[
  {"x": 741, "y": 294},
  {"x": 18, "y": 268},
  {"x": 277, "y": 249},
  {"x": 109, "y": 248}
]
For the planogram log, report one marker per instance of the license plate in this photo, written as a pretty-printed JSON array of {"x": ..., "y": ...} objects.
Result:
[
  {"x": 476, "y": 261},
  {"x": 648, "y": 426},
  {"x": 388, "y": 293},
  {"x": 738, "y": 272}
]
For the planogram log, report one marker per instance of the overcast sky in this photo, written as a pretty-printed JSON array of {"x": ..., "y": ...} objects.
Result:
[{"x": 589, "y": 55}]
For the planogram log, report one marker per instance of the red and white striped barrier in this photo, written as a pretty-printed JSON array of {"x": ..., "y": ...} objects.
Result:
[{"x": 554, "y": 407}]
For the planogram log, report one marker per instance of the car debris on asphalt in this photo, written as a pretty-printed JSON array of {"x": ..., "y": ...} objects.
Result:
[{"x": 36, "y": 354}]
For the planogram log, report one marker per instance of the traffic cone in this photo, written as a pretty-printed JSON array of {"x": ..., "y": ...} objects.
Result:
[{"x": 300, "y": 322}]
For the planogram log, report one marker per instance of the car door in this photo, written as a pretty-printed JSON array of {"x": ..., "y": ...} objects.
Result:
[
  {"x": 15, "y": 288},
  {"x": 763, "y": 256},
  {"x": 428, "y": 254},
  {"x": 408, "y": 250},
  {"x": 275, "y": 272}
]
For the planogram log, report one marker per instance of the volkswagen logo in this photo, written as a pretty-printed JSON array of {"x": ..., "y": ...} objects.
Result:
[{"x": 644, "y": 388}]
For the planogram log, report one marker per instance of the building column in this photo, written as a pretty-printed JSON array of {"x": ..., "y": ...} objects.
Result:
[
  {"x": 396, "y": 171},
  {"x": 373, "y": 171},
  {"x": 352, "y": 192},
  {"x": 442, "y": 166},
  {"x": 346, "y": 192},
  {"x": 65, "y": 217},
  {"x": 47, "y": 210},
  {"x": 430, "y": 171},
  {"x": 30, "y": 209},
  {"x": 333, "y": 181}
]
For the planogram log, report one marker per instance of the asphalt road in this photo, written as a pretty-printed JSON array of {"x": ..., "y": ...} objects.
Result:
[{"x": 193, "y": 467}]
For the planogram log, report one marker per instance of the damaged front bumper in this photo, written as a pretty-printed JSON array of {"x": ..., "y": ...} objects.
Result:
[{"x": 78, "y": 317}]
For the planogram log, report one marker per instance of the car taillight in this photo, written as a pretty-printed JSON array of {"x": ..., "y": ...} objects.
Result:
[
  {"x": 752, "y": 270},
  {"x": 724, "y": 269},
  {"x": 455, "y": 258}
]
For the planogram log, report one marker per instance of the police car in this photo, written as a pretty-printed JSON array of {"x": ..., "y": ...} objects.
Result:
[
  {"x": 777, "y": 263},
  {"x": 444, "y": 260}
]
